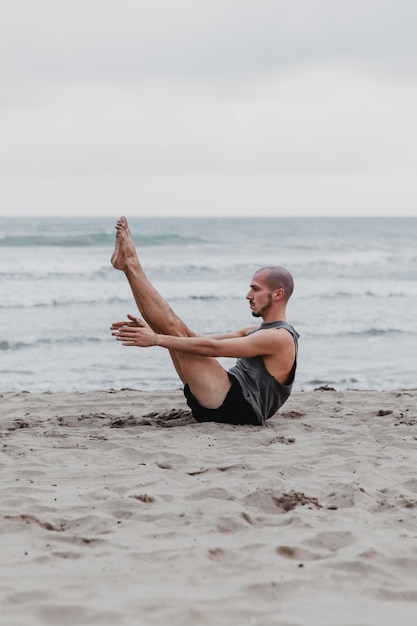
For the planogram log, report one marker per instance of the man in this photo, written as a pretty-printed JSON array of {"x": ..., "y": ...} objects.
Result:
[{"x": 260, "y": 382}]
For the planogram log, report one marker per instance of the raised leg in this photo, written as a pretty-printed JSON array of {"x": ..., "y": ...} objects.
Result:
[
  {"x": 154, "y": 309},
  {"x": 207, "y": 379}
]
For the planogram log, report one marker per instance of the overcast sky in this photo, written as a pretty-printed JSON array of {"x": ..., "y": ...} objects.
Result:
[{"x": 208, "y": 107}]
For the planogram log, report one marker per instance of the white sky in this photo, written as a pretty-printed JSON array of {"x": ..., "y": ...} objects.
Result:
[{"x": 208, "y": 107}]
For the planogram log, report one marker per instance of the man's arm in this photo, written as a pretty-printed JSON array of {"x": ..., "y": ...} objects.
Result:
[
  {"x": 242, "y": 332},
  {"x": 136, "y": 322},
  {"x": 235, "y": 345}
]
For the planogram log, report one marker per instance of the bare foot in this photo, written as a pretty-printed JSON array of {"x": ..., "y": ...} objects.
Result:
[{"x": 124, "y": 248}]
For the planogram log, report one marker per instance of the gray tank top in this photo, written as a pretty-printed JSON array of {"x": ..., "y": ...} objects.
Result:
[{"x": 260, "y": 389}]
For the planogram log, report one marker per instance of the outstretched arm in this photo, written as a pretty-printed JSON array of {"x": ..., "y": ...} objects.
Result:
[
  {"x": 237, "y": 344},
  {"x": 136, "y": 322}
]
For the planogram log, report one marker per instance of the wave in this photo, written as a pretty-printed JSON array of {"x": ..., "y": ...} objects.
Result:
[
  {"x": 368, "y": 332},
  {"x": 375, "y": 332},
  {"x": 61, "y": 303},
  {"x": 22, "y": 345},
  {"x": 39, "y": 274},
  {"x": 75, "y": 272},
  {"x": 113, "y": 300},
  {"x": 54, "y": 239},
  {"x": 89, "y": 240},
  {"x": 336, "y": 295}
]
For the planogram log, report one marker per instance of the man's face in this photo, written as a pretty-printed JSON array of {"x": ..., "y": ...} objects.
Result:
[{"x": 259, "y": 295}]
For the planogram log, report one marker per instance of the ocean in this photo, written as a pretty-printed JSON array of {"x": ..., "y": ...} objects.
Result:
[{"x": 354, "y": 304}]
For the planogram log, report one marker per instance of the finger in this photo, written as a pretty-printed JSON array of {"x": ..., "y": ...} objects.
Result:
[
  {"x": 123, "y": 332},
  {"x": 129, "y": 330},
  {"x": 137, "y": 320}
]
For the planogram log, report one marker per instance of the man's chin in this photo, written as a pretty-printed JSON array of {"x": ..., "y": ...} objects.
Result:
[{"x": 256, "y": 314}]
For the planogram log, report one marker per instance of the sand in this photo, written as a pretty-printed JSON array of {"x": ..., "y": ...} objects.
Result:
[{"x": 113, "y": 517}]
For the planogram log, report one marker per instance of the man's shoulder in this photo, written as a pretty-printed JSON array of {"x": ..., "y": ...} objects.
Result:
[{"x": 278, "y": 325}]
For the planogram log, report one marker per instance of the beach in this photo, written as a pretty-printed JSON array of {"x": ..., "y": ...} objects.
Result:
[{"x": 118, "y": 508}]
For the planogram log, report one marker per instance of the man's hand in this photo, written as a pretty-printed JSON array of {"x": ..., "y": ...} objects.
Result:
[
  {"x": 134, "y": 333},
  {"x": 134, "y": 321}
]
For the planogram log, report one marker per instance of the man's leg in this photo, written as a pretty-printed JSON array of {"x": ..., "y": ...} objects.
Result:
[{"x": 207, "y": 379}]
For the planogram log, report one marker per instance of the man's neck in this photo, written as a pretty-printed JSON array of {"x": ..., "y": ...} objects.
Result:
[{"x": 277, "y": 315}]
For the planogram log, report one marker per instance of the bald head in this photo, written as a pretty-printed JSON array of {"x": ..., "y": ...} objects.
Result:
[{"x": 277, "y": 277}]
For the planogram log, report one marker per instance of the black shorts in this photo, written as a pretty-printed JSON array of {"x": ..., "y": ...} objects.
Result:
[{"x": 234, "y": 410}]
